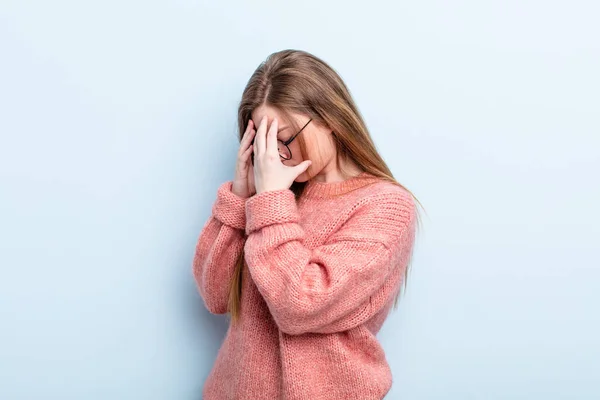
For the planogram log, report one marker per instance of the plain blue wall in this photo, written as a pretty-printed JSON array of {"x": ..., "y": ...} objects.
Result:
[{"x": 117, "y": 123}]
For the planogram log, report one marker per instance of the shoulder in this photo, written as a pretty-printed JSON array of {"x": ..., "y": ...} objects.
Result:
[
  {"x": 386, "y": 197},
  {"x": 385, "y": 208}
]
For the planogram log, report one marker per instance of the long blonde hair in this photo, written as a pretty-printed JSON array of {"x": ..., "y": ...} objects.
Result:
[{"x": 294, "y": 81}]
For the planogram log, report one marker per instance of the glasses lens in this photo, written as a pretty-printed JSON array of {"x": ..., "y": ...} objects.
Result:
[{"x": 284, "y": 152}]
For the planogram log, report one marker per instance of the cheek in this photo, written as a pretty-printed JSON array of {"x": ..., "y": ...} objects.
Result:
[{"x": 296, "y": 154}]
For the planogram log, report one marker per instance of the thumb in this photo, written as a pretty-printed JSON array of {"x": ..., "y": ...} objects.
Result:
[{"x": 303, "y": 166}]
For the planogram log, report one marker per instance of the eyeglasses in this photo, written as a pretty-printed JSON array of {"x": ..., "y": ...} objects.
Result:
[{"x": 283, "y": 147}]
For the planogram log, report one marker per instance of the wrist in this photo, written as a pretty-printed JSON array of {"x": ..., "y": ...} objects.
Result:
[{"x": 238, "y": 192}]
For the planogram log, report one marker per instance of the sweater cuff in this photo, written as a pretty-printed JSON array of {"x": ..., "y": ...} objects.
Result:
[
  {"x": 268, "y": 208},
  {"x": 229, "y": 208}
]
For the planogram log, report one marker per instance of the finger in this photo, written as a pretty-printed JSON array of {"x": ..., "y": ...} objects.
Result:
[
  {"x": 246, "y": 138},
  {"x": 243, "y": 156},
  {"x": 248, "y": 130},
  {"x": 301, "y": 168},
  {"x": 260, "y": 140},
  {"x": 246, "y": 154},
  {"x": 272, "y": 138},
  {"x": 250, "y": 125}
]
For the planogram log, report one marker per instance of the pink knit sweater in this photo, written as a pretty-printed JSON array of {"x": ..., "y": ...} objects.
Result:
[{"x": 322, "y": 273}]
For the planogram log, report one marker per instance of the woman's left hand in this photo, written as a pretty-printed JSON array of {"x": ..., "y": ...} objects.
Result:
[{"x": 269, "y": 172}]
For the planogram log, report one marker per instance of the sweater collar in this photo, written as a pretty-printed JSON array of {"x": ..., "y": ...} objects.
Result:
[{"x": 314, "y": 189}]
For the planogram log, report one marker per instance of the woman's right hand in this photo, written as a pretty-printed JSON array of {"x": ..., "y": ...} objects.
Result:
[{"x": 243, "y": 182}]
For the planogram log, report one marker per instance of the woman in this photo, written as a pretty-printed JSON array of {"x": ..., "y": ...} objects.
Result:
[{"x": 307, "y": 246}]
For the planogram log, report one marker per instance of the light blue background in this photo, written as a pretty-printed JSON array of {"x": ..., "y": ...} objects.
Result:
[{"x": 117, "y": 123}]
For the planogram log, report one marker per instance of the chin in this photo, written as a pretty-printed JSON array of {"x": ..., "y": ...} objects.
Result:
[{"x": 303, "y": 177}]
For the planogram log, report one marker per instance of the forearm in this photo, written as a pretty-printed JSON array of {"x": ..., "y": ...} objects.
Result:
[
  {"x": 218, "y": 249},
  {"x": 217, "y": 252}
]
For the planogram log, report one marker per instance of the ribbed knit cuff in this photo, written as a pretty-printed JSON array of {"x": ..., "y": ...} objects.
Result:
[
  {"x": 229, "y": 208},
  {"x": 268, "y": 208}
]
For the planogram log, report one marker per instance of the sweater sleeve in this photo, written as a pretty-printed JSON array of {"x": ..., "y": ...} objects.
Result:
[
  {"x": 336, "y": 286},
  {"x": 218, "y": 248}
]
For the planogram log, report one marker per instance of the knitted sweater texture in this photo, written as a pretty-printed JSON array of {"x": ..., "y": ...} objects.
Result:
[{"x": 320, "y": 277}]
